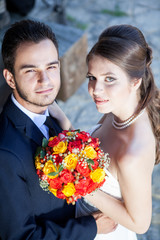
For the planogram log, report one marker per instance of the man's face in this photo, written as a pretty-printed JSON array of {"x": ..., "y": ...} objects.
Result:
[{"x": 36, "y": 79}]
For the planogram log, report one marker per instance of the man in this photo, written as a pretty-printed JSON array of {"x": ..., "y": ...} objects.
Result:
[{"x": 32, "y": 70}]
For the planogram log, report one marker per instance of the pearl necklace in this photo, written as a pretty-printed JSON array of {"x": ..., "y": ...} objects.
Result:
[{"x": 126, "y": 123}]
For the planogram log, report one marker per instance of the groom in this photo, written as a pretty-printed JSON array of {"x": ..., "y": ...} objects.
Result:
[{"x": 32, "y": 70}]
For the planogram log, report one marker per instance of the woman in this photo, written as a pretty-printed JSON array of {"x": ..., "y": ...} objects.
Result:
[{"x": 122, "y": 86}]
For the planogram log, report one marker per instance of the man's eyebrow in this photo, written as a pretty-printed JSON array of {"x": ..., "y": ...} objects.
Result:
[
  {"x": 52, "y": 63},
  {"x": 35, "y": 66},
  {"x": 27, "y": 66}
]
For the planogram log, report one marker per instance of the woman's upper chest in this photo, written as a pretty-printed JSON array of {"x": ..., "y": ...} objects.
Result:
[{"x": 113, "y": 143}]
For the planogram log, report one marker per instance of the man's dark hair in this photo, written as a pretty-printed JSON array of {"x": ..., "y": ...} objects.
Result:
[{"x": 21, "y": 32}]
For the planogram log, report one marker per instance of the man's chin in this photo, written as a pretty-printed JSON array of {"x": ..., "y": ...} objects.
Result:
[{"x": 45, "y": 104}]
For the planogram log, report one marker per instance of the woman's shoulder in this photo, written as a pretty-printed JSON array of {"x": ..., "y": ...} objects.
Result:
[{"x": 94, "y": 128}]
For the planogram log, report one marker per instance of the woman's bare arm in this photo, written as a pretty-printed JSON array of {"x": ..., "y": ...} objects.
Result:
[
  {"x": 135, "y": 182},
  {"x": 57, "y": 113}
]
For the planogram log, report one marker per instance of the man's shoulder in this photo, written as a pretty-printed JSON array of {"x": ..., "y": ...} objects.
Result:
[{"x": 11, "y": 138}]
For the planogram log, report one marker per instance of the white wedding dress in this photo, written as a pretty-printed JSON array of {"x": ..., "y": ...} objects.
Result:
[{"x": 111, "y": 187}]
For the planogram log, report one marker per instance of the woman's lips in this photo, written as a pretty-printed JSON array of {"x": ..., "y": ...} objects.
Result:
[{"x": 100, "y": 101}]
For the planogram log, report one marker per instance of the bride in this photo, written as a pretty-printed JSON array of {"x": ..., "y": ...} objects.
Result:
[{"x": 122, "y": 86}]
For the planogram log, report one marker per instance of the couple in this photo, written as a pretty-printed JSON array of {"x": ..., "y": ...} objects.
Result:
[{"x": 122, "y": 86}]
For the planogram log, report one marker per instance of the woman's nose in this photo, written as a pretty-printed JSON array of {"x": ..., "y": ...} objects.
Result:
[{"x": 98, "y": 88}]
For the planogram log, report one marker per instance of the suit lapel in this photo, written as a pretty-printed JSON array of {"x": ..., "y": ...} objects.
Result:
[
  {"x": 33, "y": 132},
  {"x": 23, "y": 123}
]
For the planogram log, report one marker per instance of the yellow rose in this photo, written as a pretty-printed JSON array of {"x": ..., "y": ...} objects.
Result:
[
  {"x": 69, "y": 189},
  {"x": 48, "y": 168},
  {"x": 52, "y": 190},
  {"x": 90, "y": 152},
  {"x": 51, "y": 138},
  {"x": 38, "y": 163},
  {"x": 70, "y": 133},
  {"x": 71, "y": 161},
  {"x": 97, "y": 175},
  {"x": 61, "y": 147}
]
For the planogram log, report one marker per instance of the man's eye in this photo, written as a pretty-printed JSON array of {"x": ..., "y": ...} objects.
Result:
[
  {"x": 30, "y": 71},
  {"x": 91, "y": 78},
  {"x": 52, "y": 67}
]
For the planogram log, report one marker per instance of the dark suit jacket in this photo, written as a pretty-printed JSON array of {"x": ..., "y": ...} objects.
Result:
[{"x": 27, "y": 211}]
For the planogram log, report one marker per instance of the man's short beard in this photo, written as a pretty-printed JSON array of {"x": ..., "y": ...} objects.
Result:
[{"x": 25, "y": 98}]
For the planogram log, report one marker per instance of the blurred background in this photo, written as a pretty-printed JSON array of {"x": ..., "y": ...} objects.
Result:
[{"x": 77, "y": 25}]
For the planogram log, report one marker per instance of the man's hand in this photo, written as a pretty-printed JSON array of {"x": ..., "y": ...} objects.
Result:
[{"x": 104, "y": 223}]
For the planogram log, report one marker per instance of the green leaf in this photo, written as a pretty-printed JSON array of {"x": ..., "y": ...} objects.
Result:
[
  {"x": 55, "y": 167},
  {"x": 60, "y": 169},
  {"x": 42, "y": 153},
  {"x": 90, "y": 161},
  {"x": 52, "y": 174},
  {"x": 90, "y": 167},
  {"x": 77, "y": 130},
  {"x": 44, "y": 142}
]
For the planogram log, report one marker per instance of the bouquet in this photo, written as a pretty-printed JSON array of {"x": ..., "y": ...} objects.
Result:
[{"x": 71, "y": 165}]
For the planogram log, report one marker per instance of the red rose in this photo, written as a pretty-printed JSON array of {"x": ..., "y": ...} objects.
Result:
[
  {"x": 75, "y": 144},
  {"x": 60, "y": 194},
  {"x": 92, "y": 186},
  {"x": 65, "y": 132},
  {"x": 81, "y": 187},
  {"x": 83, "y": 169},
  {"x": 66, "y": 176},
  {"x": 56, "y": 183},
  {"x": 58, "y": 159},
  {"x": 39, "y": 173},
  {"x": 53, "y": 142},
  {"x": 95, "y": 165},
  {"x": 84, "y": 136},
  {"x": 94, "y": 143}
]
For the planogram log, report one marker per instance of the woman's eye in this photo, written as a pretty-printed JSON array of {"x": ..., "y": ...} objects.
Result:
[
  {"x": 110, "y": 79},
  {"x": 91, "y": 78}
]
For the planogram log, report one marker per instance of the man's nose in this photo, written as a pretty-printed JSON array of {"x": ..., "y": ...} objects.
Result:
[{"x": 43, "y": 77}]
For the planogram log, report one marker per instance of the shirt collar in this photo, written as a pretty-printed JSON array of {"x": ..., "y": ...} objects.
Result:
[{"x": 38, "y": 119}]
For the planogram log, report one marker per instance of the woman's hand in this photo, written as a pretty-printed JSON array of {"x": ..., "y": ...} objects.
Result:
[{"x": 57, "y": 113}]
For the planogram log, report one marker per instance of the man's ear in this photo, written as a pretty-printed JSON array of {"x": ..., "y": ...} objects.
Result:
[
  {"x": 136, "y": 83},
  {"x": 9, "y": 78}
]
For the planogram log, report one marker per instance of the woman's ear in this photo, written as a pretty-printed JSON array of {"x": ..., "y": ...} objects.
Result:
[
  {"x": 136, "y": 83},
  {"x": 9, "y": 78}
]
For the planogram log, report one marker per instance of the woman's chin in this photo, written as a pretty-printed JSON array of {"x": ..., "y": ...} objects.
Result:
[{"x": 103, "y": 110}]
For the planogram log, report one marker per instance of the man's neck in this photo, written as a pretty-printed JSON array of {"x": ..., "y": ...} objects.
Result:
[{"x": 27, "y": 111}]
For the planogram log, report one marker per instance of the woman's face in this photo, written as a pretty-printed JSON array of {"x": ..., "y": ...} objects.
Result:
[{"x": 109, "y": 86}]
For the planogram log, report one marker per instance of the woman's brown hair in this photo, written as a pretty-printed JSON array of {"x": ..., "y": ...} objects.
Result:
[{"x": 125, "y": 46}]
